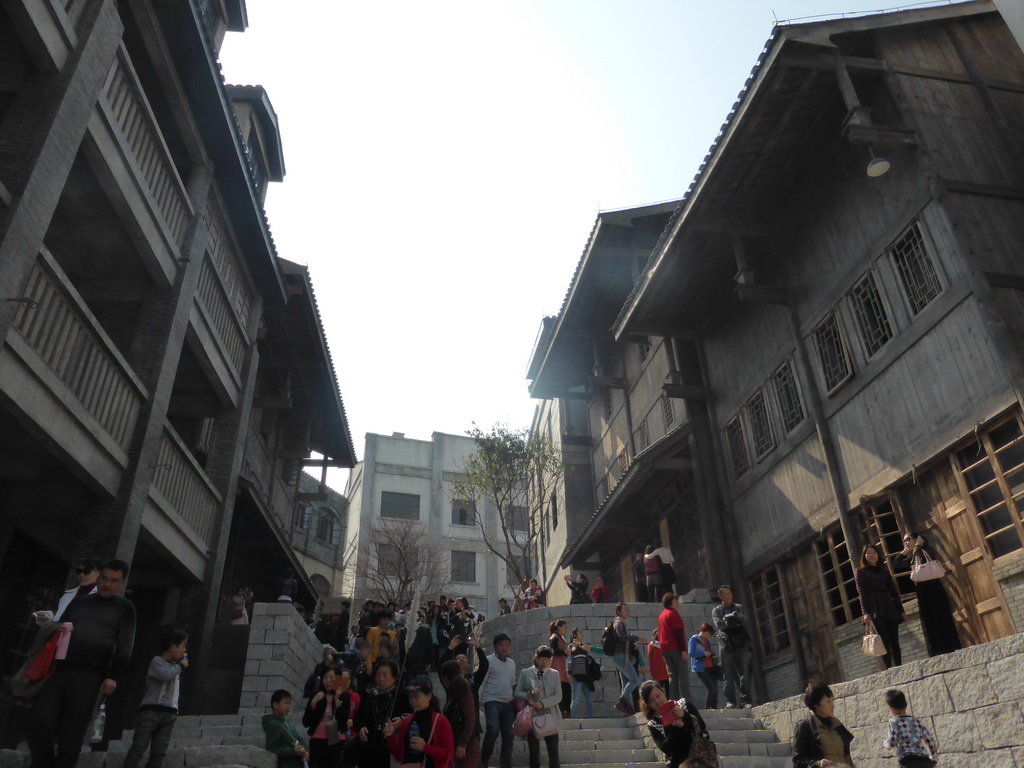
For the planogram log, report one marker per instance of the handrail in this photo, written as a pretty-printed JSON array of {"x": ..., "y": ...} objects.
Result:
[{"x": 185, "y": 486}]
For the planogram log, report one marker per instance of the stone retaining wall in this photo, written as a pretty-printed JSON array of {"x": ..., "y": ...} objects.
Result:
[
  {"x": 972, "y": 700},
  {"x": 282, "y": 653}
]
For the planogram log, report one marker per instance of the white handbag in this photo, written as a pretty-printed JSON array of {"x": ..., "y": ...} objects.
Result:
[
  {"x": 926, "y": 569},
  {"x": 871, "y": 644}
]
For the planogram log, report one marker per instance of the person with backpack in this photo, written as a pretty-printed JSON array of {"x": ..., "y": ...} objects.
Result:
[
  {"x": 623, "y": 654},
  {"x": 585, "y": 670},
  {"x": 730, "y": 624}
]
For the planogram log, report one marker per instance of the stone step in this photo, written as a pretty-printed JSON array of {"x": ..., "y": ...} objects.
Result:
[
  {"x": 770, "y": 749},
  {"x": 600, "y": 734},
  {"x": 755, "y": 762},
  {"x": 596, "y": 757},
  {"x": 245, "y": 756}
]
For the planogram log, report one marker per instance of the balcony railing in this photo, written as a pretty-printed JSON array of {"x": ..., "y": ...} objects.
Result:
[
  {"x": 184, "y": 485},
  {"x": 221, "y": 316},
  {"x": 142, "y": 134},
  {"x": 56, "y": 323}
]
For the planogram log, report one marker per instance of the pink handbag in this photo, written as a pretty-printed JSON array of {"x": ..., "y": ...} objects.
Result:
[{"x": 926, "y": 568}]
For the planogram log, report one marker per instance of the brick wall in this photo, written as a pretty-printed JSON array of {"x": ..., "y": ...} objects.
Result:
[
  {"x": 972, "y": 700},
  {"x": 282, "y": 653},
  {"x": 1010, "y": 575}
]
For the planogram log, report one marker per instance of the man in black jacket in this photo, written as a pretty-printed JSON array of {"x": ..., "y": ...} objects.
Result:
[{"x": 98, "y": 652}]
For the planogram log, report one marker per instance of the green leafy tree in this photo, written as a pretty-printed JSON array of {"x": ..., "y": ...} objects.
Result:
[{"x": 516, "y": 473}]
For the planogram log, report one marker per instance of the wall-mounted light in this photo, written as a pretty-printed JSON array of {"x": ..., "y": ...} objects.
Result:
[{"x": 877, "y": 166}]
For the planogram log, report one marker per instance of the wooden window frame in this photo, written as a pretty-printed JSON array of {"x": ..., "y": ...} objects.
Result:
[
  {"x": 832, "y": 319},
  {"x": 871, "y": 314},
  {"x": 668, "y": 414},
  {"x": 842, "y": 597},
  {"x": 786, "y": 383},
  {"x": 739, "y": 456},
  {"x": 643, "y": 436},
  {"x": 644, "y": 349},
  {"x": 900, "y": 263},
  {"x": 762, "y": 430},
  {"x": 883, "y": 523},
  {"x": 769, "y": 610}
]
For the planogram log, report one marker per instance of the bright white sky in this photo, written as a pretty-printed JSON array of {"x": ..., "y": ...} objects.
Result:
[{"x": 446, "y": 160}]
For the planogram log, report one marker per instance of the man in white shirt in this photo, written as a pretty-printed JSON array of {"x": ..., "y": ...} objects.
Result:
[{"x": 497, "y": 694}]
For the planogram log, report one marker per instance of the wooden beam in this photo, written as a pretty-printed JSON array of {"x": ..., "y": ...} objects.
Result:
[
  {"x": 880, "y": 136},
  {"x": 608, "y": 382},
  {"x": 685, "y": 391},
  {"x": 727, "y": 226},
  {"x": 282, "y": 403},
  {"x": 115, "y": 290},
  {"x": 680, "y": 464},
  {"x": 1003, "y": 280},
  {"x": 825, "y": 62},
  {"x": 759, "y": 294},
  {"x": 984, "y": 190}
]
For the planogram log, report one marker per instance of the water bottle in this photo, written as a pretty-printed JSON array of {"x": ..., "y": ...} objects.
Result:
[
  {"x": 98, "y": 725},
  {"x": 414, "y": 730}
]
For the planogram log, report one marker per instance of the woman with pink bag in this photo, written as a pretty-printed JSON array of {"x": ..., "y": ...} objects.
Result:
[
  {"x": 940, "y": 635},
  {"x": 880, "y": 602}
]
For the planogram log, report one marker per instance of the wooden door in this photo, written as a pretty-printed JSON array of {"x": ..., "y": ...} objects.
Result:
[{"x": 811, "y": 626}]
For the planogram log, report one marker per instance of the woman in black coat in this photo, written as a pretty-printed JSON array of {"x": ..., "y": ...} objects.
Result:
[
  {"x": 820, "y": 739},
  {"x": 675, "y": 739},
  {"x": 940, "y": 635},
  {"x": 880, "y": 602}
]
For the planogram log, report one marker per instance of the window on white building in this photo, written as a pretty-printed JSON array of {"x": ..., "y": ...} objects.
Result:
[
  {"x": 404, "y": 506},
  {"x": 464, "y": 567}
]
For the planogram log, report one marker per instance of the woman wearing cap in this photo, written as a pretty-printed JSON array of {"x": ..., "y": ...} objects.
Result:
[
  {"x": 424, "y": 737},
  {"x": 540, "y": 688}
]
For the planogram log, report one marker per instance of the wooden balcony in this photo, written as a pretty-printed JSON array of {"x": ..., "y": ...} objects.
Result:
[
  {"x": 63, "y": 372},
  {"x": 127, "y": 150},
  {"x": 183, "y": 504}
]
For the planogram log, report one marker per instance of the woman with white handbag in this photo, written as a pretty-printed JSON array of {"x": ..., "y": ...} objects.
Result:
[
  {"x": 540, "y": 687},
  {"x": 880, "y": 602},
  {"x": 927, "y": 572}
]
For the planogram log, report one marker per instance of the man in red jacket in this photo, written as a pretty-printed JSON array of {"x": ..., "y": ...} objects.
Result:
[{"x": 672, "y": 637}]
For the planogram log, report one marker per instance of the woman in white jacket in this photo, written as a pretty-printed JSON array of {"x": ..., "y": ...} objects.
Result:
[{"x": 540, "y": 687}]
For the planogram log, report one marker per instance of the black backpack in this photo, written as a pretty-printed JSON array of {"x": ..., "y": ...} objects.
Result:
[{"x": 609, "y": 639}]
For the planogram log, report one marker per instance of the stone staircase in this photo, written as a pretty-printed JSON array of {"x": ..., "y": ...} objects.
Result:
[{"x": 237, "y": 740}]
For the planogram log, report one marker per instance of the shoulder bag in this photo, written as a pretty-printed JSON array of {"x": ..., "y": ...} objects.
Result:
[
  {"x": 926, "y": 568},
  {"x": 544, "y": 725},
  {"x": 593, "y": 668},
  {"x": 871, "y": 644},
  {"x": 702, "y": 748}
]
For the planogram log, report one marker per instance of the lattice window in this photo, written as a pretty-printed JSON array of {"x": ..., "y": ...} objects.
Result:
[
  {"x": 872, "y": 321},
  {"x": 766, "y": 591},
  {"x": 884, "y": 526},
  {"x": 831, "y": 348},
  {"x": 608, "y": 405},
  {"x": 760, "y": 424},
  {"x": 667, "y": 411},
  {"x": 788, "y": 394},
  {"x": 644, "y": 349},
  {"x": 992, "y": 469},
  {"x": 623, "y": 460},
  {"x": 915, "y": 268},
  {"x": 737, "y": 446},
  {"x": 837, "y": 575},
  {"x": 643, "y": 436}
]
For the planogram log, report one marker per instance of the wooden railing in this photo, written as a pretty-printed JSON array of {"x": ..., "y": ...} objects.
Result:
[
  {"x": 142, "y": 134},
  {"x": 184, "y": 485},
  {"x": 59, "y": 327},
  {"x": 223, "y": 319},
  {"x": 224, "y": 253}
]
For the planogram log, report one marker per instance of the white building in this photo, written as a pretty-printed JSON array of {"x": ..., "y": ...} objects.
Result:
[{"x": 405, "y": 485}]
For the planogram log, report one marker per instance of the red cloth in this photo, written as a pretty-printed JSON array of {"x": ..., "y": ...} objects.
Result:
[
  {"x": 656, "y": 663},
  {"x": 669, "y": 624},
  {"x": 39, "y": 669},
  {"x": 441, "y": 747},
  {"x": 601, "y": 594}
]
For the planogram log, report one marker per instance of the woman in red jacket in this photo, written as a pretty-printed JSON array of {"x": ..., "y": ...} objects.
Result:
[{"x": 425, "y": 736}]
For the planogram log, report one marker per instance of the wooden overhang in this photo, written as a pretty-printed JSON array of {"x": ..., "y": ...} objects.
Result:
[
  {"x": 199, "y": 71},
  {"x": 563, "y": 357},
  {"x": 801, "y": 96},
  {"x": 256, "y": 96},
  {"x": 637, "y": 489},
  {"x": 306, "y": 341}
]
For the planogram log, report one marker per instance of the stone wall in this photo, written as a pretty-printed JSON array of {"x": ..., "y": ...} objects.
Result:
[
  {"x": 972, "y": 700},
  {"x": 282, "y": 653}
]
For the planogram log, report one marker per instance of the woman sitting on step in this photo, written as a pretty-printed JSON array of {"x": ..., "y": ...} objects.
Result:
[{"x": 684, "y": 739}]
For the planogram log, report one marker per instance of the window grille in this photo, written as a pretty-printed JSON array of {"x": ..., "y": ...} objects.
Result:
[
  {"x": 644, "y": 349},
  {"x": 306, "y": 517},
  {"x": 872, "y": 321},
  {"x": 837, "y": 575},
  {"x": 463, "y": 512},
  {"x": 623, "y": 459},
  {"x": 883, "y": 525},
  {"x": 769, "y": 611},
  {"x": 404, "y": 506},
  {"x": 992, "y": 468},
  {"x": 761, "y": 424},
  {"x": 788, "y": 394},
  {"x": 737, "y": 446},
  {"x": 643, "y": 437},
  {"x": 608, "y": 405},
  {"x": 916, "y": 269},
  {"x": 828, "y": 341},
  {"x": 464, "y": 567},
  {"x": 667, "y": 411}
]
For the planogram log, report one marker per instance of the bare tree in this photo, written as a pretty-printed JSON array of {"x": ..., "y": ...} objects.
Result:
[
  {"x": 401, "y": 558},
  {"x": 517, "y": 473}
]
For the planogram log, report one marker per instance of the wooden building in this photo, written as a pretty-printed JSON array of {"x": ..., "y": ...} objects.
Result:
[
  {"x": 841, "y": 287},
  {"x": 164, "y": 375}
]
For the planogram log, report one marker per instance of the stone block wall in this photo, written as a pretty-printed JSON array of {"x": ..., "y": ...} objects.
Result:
[
  {"x": 971, "y": 700},
  {"x": 1010, "y": 575},
  {"x": 282, "y": 653}
]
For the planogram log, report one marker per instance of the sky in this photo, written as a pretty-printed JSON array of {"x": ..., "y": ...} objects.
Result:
[{"x": 445, "y": 162}]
